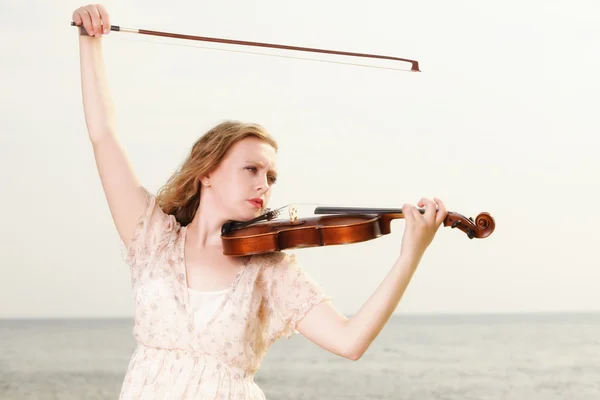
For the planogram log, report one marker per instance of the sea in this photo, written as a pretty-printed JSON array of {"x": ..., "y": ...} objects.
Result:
[{"x": 422, "y": 357}]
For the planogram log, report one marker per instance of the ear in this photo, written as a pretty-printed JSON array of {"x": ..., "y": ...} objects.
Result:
[{"x": 205, "y": 180}]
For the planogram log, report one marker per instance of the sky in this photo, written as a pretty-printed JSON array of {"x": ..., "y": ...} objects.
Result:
[{"x": 501, "y": 120}]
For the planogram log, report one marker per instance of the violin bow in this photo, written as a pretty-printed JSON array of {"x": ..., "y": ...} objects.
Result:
[{"x": 116, "y": 28}]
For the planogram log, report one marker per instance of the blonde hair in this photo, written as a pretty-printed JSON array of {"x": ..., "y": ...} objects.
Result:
[{"x": 180, "y": 196}]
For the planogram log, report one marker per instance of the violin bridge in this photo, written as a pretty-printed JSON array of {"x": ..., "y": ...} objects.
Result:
[{"x": 293, "y": 213}]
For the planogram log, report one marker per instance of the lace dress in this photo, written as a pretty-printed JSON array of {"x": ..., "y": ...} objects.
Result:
[{"x": 179, "y": 358}]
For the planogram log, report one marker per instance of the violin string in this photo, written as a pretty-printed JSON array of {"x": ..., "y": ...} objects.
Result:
[{"x": 263, "y": 54}]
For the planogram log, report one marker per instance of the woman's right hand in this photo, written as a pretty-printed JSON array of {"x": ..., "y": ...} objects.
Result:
[{"x": 94, "y": 18}]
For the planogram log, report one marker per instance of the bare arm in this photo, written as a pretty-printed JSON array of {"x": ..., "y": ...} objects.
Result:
[
  {"x": 350, "y": 338},
  {"x": 124, "y": 193}
]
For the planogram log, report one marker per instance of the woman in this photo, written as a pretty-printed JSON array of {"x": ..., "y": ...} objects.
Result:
[{"x": 203, "y": 320}]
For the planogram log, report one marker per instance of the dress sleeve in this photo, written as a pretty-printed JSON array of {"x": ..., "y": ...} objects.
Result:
[
  {"x": 152, "y": 231},
  {"x": 290, "y": 294}
]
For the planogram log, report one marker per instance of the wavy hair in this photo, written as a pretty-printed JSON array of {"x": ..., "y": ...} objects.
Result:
[{"x": 180, "y": 195}]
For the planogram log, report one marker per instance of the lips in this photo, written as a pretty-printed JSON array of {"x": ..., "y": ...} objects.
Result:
[{"x": 256, "y": 202}]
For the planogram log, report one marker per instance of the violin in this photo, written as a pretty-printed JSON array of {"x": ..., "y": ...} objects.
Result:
[{"x": 335, "y": 226}]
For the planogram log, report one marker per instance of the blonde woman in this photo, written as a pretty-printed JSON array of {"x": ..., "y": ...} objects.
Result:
[{"x": 203, "y": 320}]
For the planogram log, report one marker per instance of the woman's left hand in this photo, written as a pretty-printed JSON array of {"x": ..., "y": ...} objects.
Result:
[{"x": 420, "y": 228}]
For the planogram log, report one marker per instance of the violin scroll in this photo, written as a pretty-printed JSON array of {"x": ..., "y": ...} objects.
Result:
[{"x": 482, "y": 227}]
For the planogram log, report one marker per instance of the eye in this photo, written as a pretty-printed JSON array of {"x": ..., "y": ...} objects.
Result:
[{"x": 271, "y": 178}]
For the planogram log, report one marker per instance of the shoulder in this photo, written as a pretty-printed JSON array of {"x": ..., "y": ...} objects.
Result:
[
  {"x": 269, "y": 263},
  {"x": 280, "y": 272},
  {"x": 273, "y": 259},
  {"x": 155, "y": 231},
  {"x": 155, "y": 221}
]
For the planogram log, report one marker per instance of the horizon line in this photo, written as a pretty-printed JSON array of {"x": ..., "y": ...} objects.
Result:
[{"x": 401, "y": 315}]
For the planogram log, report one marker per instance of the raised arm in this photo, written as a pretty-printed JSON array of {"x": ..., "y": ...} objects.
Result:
[{"x": 124, "y": 193}]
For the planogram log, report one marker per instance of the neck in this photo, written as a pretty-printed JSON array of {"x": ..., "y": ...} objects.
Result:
[{"x": 207, "y": 222}]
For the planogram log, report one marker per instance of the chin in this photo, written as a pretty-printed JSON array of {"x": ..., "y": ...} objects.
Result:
[
  {"x": 248, "y": 213},
  {"x": 255, "y": 213}
]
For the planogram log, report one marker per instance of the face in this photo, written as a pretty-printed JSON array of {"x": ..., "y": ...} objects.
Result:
[{"x": 241, "y": 184}]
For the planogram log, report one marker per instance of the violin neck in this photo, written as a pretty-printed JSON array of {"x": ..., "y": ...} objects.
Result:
[
  {"x": 385, "y": 215},
  {"x": 359, "y": 210}
]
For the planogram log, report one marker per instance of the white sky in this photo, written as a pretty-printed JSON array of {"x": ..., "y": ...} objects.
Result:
[{"x": 501, "y": 120}]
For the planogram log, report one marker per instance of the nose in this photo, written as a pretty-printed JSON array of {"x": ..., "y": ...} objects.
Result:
[{"x": 263, "y": 184}]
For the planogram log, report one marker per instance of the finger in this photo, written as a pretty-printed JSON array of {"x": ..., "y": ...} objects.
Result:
[
  {"x": 105, "y": 18},
  {"x": 409, "y": 216},
  {"x": 442, "y": 212},
  {"x": 418, "y": 216},
  {"x": 86, "y": 21},
  {"x": 430, "y": 209},
  {"x": 76, "y": 18},
  {"x": 96, "y": 21}
]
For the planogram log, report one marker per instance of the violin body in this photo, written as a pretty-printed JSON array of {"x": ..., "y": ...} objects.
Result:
[{"x": 341, "y": 226}]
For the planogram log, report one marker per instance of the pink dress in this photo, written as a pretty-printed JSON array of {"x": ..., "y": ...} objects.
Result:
[{"x": 174, "y": 358}]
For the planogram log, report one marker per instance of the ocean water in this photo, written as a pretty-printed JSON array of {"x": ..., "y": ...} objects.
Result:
[{"x": 528, "y": 357}]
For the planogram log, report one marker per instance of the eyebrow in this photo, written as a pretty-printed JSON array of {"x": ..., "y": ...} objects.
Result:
[{"x": 262, "y": 164}]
